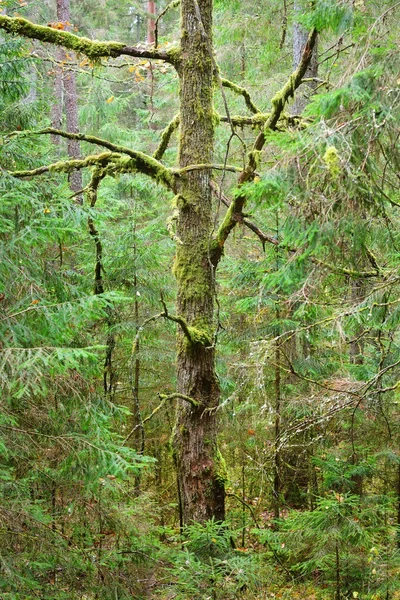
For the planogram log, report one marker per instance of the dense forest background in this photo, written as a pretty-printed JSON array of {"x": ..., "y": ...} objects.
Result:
[{"x": 306, "y": 320}]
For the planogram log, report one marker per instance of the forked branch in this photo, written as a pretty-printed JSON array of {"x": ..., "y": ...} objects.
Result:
[{"x": 235, "y": 211}]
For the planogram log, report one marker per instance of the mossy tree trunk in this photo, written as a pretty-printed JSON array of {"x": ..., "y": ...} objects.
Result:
[{"x": 195, "y": 443}]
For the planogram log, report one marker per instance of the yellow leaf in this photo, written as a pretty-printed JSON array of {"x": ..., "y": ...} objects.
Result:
[
  {"x": 110, "y": 99},
  {"x": 47, "y": 211}
]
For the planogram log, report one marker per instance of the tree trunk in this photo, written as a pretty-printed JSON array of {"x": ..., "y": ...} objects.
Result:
[
  {"x": 70, "y": 99},
  {"x": 199, "y": 465},
  {"x": 57, "y": 108},
  {"x": 398, "y": 507},
  {"x": 300, "y": 36},
  {"x": 151, "y": 9}
]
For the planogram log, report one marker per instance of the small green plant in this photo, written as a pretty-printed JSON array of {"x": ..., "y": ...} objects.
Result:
[
  {"x": 343, "y": 543},
  {"x": 209, "y": 566}
]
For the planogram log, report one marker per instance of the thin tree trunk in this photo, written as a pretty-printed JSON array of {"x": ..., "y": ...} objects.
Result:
[
  {"x": 277, "y": 457},
  {"x": 356, "y": 358},
  {"x": 398, "y": 507},
  {"x": 199, "y": 464},
  {"x": 151, "y": 9},
  {"x": 70, "y": 99},
  {"x": 300, "y": 36},
  {"x": 57, "y": 108},
  {"x": 337, "y": 565}
]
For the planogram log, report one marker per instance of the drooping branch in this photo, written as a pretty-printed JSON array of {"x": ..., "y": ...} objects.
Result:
[
  {"x": 278, "y": 102},
  {"x": 93, "y": 49},
  {"x": 164, "y": 399},
  {"x": 166, "y": 136},
  {"x": 176, "y": 396},
  {"x": 169, "y": 6},
  {"x": 83, "y": 137},
  {"x": 188, "y": 331},
  {"x": 242, "y": 92}
]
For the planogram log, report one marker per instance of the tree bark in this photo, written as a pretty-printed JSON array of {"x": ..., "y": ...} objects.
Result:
[
  {"x": 199, "y": 464},
  {"x": 151, "y": 9},
  {"x": 300, "y": 36},
  {"x": 70, "y": 99}
]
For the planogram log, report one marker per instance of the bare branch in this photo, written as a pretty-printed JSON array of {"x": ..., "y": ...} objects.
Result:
[
  {"x": 172, "y": 4},
  {"x": 164, "y": 398}
]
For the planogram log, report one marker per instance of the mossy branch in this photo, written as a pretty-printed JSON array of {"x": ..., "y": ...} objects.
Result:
[
  {"x": 164, "y": 399},
  {"x": 260, "y": 119},
  {"x": 234, "y": 212},
  {"x": 354, "y": 274},
  {"x": 177, "y": 395},
  {"x": 166, "y": 136},
  {"x": 179, "y": 320},
  {"x": 83, "y": 137},
  {"x": 280, "y": 99},
  {"x": 257, "y": 120},
  {"x": 242, "y": 92},
  {"x": 112, "y": 163},
  {"x": 264, "y": 237},
  {"x": 101, "y": 160},
  {"x": 93, "y": 49},
  {"x": 213, "y": 166}
]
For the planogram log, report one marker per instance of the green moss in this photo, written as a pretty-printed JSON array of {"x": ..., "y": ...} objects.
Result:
[
  {"x": 93, "y": 49},
  {"x": 174, "y": 55},
  {"x": 331, "y": 159},
  {"x": 200, "y": 336},
  {"x": 254, "y": 159},
  {"x": 220, "y": 468},
  {"x": 194, "y": 280}
]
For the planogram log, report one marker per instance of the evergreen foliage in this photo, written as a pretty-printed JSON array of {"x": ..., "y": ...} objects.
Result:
[{"x": 306, "y": 326}]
